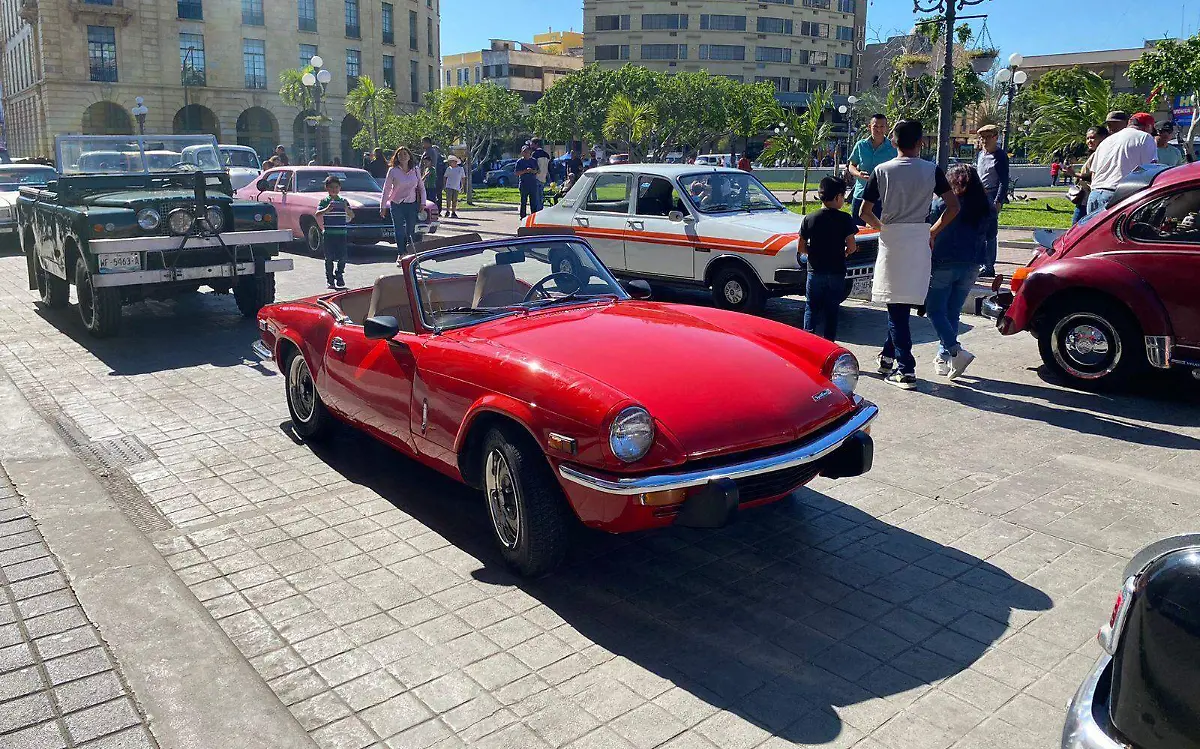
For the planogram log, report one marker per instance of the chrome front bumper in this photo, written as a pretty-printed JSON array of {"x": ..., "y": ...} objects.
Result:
[
  {"x": 199, "y": 273},
  {"x": 172, "y": 242},
  {"x": 261, "y": 351},
  {"x": 809, "y": 452},
  {"x": 1087, "y": 725}
]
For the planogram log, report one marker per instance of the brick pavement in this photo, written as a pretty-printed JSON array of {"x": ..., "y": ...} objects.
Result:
[
  {"x": 950, "y": 597},
  {"x": 58, "y": 683}
]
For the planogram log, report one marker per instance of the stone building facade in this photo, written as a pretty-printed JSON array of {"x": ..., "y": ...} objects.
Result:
[
  {"x": 77, "y": 66},
  {"x": 524, "y": 68}
]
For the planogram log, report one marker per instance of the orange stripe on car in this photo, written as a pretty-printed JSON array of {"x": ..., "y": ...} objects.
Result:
[{"x": 772, "y": 246}]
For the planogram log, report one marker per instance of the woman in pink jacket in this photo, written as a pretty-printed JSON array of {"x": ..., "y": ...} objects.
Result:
[{"x": 403, "y": 195}]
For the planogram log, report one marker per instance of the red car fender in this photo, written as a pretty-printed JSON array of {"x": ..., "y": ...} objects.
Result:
[
  {"x": 303, "y": 324},
  {"x": 1088, "y": 273},
  {"x": 518, "y": 411}
]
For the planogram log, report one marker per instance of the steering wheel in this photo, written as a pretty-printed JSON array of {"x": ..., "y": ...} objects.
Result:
[{"x": 553, "y": 276}]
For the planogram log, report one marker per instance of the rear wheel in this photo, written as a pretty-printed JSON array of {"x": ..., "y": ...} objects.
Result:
[
  {"x": 310, "y": 419},
  {"x": 99, "y": 307},
  {"x": 1091, "y": 342},
  {"x": 312, "y": 237},
  {"x": 739, "y": 290},
  {"x": 55, "y": 292},
  {"x": 252, "y": 293}
]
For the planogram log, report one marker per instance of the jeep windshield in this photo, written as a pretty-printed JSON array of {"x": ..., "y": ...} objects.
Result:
[
  {"x": 353, "y": 180},
  {"x": 12, "y": 178},
  {"x": 726, "y": 192},
  {"x": 122, "y": 154}
]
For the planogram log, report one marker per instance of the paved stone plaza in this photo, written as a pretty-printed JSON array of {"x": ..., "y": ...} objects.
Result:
[{"x": 948, "y": 598}]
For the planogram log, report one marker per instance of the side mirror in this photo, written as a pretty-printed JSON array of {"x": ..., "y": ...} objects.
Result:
[
  {"x": 381, "y": 328},
  {"x": 638, "y": 289},
  {"x": 675, "y": 217},
  {"x": 263, "y": 185}
]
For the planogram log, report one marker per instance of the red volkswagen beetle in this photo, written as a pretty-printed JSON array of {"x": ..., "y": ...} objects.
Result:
[
  {"x": 1118, "y": 292},
  {"x": 560, "y": 395}
]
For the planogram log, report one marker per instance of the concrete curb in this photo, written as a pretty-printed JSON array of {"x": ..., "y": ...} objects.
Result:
[{"x": 195, "y": 687}]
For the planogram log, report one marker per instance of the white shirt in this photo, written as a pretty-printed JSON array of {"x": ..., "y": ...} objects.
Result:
[
  {"x": 454, "y": 177},
  {"x": 1120, "y": 154}
]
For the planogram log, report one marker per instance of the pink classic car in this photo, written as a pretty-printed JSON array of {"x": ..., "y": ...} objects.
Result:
[{"x": 295, "y": 191}]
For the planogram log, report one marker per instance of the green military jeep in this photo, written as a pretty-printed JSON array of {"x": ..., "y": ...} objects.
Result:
[{"x": 139, "y": 217}]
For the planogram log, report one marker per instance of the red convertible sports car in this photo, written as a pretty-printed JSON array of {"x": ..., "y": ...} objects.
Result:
[{"x": 561, "y": 396}]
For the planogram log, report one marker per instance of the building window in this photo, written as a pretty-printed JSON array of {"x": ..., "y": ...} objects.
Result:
[
  {"x": 352, "y": 28},
  {"x": 664, "y": 51},
  {"x": 429, "y": 34},
  {"x": 664, "y": 21},
  {"x": 715, "y": 22},
  {"x": 447, "y": 79},
  {"x": 254, "y": 62},
  {"x": 191, "y": 9},
  {"x": 812, "y": 28},
  {"x": 307, "y": 10},
  {"x": 779, "y": 2},
  {"x": 816, "y": 4},
  {"x": 191, "y": 59},
  {"x": 612, "y": 51},
  {"x": 781, "y": 84},
  {"x": 774, "y": 25},
  {"x": 843, "y": 61},
  {"x": 414, "y": 84},
  {"x": 811, "y": 57},
  {"x": 412, "y": 30},
  {"x": 612, "y": 23},
  {"x": 772, "y": 54},
  {"x": 722, "y": 52},
  {"x": 845, "y": 33},
  {"x": 307, "y": 52},
  {"x": 478, "y": 71},
  {"x": 846, "y": 6},
  {"x": 102, "y": 53},
  {"x": 98, "y": 2},
  {"x": 432, "y": 79},
  {"x": 353, "y": 68},
  {"x": 389, "y": 24},
  {"x": 252, "y": 12}
]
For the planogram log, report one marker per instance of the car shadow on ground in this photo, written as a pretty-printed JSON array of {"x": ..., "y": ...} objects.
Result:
[{"x": 796, "y": 613}]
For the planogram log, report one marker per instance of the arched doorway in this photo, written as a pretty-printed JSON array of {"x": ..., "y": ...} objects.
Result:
[
  {"x": 196, "y": 119},
  {"x": 304, "y": 139},
  {"x": 106, "y": 118},
  {"x": 350, "y": 128},
  {"x": 257, "y": 128}
]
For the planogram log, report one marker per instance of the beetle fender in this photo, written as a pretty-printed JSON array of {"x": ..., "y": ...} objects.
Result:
[{"x": 1090, "y": 273}]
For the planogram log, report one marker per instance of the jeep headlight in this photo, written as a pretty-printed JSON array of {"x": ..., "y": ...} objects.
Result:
[
  {"x": 632, "y": 434},
  {"x": 214, "y": 217},
  {"x": 149, "y": 219},
  {"x": 844, "y": 373},
  {"x": 181, "y": 221}
]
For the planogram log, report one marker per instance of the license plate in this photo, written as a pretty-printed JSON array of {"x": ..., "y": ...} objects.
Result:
[
  {"x": 389, "y": 233},
  {"x": 861, "y": 288},
  {"x": 120, "y": 262}
]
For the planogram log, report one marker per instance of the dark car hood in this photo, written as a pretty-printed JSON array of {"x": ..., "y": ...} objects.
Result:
[
  {"x": 717, "y": 390},
  {"x": 130, "y": 198}
]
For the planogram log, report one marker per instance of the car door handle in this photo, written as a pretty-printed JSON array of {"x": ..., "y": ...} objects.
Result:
[
  {"x": 639, "y": 225},
  {"x": 337, "y": 346}
]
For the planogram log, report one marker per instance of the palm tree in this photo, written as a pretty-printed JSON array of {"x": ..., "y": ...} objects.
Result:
[
  {"x": 369, "y": 103},
  {"x": 630, "y": 124},
  {"x": 293, "y": 93},
  {"x": 1061, "y": 121},
  {"x": 801, "y": 135}
]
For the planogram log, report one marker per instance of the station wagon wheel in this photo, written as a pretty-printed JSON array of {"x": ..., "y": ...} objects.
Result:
[
  {"x": 735, "y": 288},
  {"x": 527, "y": 508},
  {"x": 99, "y": 307},
  {"x": 1092, "y": 342},
  {"x": 309, "y": 418}
]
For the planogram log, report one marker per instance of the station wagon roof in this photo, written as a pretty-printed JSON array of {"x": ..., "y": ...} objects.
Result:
[{"x": 663, "y": 170}]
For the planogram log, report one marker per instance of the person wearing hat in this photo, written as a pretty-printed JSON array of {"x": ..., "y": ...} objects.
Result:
[
  {"x": 455, "y": 175},
  {"x": 992, "y": 165},
  {"x": 1116, "y": 121},
  {"x": 1118, "y": 155},
  {"x": 1168, "y": 155},
  {"x": 281, "y": 155}
]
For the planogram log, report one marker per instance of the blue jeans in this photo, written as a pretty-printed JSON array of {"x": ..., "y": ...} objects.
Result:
[
  {"x": 949, "y": 286},
  {"x": 1080, "y": 212},
  {"x": 898, "y": 345},
  {"x": 991, "y": 236},
  {"x": 528, "y": 197},
  {"x": 854, "y": 206},
  {"x": 404, "y": 219},
  {"x": 539, "y": 196},
  {"x": 822, "y": 296},
  {"x": 1098, "y": 200},
  {"x": 333, "y": 245}
]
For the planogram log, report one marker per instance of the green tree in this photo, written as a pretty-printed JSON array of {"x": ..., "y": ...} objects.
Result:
[
  {"x": 802, "y": 136},
  {"x": 630, "y": 125},
  {"x": 370, "y": 103},
  {"x": 1172, "y": 68},
  {"x": 293, "y": 93},
  {"x": 750, "y": 108},
  {"x": 1061, "y": 120},
  {"x": 476, "y": 115},
  {"x": 691, "y": 109}
]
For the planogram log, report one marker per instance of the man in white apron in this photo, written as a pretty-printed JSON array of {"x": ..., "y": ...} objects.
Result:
[{"x": 906, "y": 186}]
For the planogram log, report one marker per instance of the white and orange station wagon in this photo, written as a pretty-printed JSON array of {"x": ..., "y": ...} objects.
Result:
[{"x": 693, "y": 225}]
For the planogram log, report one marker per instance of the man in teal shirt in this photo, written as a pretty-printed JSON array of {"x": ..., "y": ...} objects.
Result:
[
  {"x": 867, "y": 154},
  {"x": 1168, "y": 155}
]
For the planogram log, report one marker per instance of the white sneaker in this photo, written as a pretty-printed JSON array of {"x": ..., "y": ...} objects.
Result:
[
  {"x": 941, "y": 366},
  {"x": 901, "y": 380},
  {"x": 886, "y": 364},
  {"x": 960, "y": 362}
]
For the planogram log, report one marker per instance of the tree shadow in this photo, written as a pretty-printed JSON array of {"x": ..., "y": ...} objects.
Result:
[{"x": 793, "y": 613}]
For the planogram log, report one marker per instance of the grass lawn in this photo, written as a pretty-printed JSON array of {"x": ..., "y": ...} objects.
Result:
[
  {"x": 497, "y": 195},
  {"x": 789, "y": 186},
  {"x": 1043, "y": 213}
]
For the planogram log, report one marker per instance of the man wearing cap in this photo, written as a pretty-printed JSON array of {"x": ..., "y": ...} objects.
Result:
[
  {"x": 1118, "y": 155},
  {"x": 992, "y": 165},
  {"x": 1116, "y": 121},
  {"x": 1168, "y": 155}
]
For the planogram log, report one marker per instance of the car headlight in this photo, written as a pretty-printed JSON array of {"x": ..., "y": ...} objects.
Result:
[
  {"x": 215, "y": 218},
  {"x": 149, "y": 219},
  {"x": 180, "y": 221},
  {"x": 844, "y": 374},
  {"x": 423, "y": 215},
  {"x": 632, "y": 434}
]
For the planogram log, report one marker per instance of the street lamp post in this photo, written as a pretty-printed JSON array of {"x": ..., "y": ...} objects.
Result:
[
  {"x": 316, "y": 81},
  {"x": 847, "y": 110},
  {"x": 1015, "y": 78},
  {"x": 949, "y": 10},
  {"x": 139, "y": 112}
]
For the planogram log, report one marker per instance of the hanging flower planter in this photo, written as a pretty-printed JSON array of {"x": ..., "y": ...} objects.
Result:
[
  {"x": 981, "y": 59},
  {"x": 914, "y": 66}
]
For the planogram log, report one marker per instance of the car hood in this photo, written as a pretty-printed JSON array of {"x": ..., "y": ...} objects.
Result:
[
  {"x": 770, "y": 223},
  {"x": 715, "y": 389},
  {"x": 131, "y": 198},
  {"x": 362, "y": 199}
]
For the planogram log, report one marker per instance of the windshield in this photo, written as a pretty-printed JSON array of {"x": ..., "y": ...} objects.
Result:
[
  {"x": 462, "y": 286},
  {"x": 121, "y": 154},
  {"x": 236, "y": 157},
  {"x": 353, "y": 180},
  {"x": 718, "y": 192},
  {"x": 10, "y": 179}
]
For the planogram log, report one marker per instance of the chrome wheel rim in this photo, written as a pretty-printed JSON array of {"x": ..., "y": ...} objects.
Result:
[
  {"x": 314, "y": 238},
  {"x": 734, "y": 292},
  {"x": 302, "y": 393},
  {"x": 1086, "y": 346},
  {"x": 504, "y": 499}
]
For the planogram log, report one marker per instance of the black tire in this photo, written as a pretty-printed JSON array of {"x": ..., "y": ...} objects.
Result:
[
  {"x": 252, "y": 293},
  {"x": 535, "y": 505},
  {"x": 312, "y": 237},
  {"x": 99, "y": 308},
  {"x": 55, "y": 292},
  {"x": 739, "y": 290},
  {"x": 1091, "y": 342},
  {"x": 310, "y": 419}
]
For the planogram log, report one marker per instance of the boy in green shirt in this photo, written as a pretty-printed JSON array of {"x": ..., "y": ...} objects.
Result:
[{"x": 335, "y": 213}]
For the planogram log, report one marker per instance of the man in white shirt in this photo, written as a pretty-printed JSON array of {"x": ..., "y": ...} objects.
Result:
[{"x": 1118, "y": 155}]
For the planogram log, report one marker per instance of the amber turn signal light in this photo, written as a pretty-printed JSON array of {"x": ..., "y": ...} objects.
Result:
[
  {"x": 1018, "y": 278},
  {"x": 660, "y": 499}
]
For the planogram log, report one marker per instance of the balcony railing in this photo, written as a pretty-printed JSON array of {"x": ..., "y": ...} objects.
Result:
[
  {"x": 308, "y": 24},
  {"x": 114, "y": 13},
  {"x": 253, "y": 19},
  {"x": 353, "y": 32}
]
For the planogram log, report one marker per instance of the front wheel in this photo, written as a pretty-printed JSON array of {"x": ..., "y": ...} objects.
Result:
[
  {"x": 252, "y": 293},
  {"x": 526, "y": 505},
  {"x": 310, "y": 418},
  {"x": 738, "y": 290},
  {"x": 54, "y": 292},
  {"x": 99, "y": 307},
  {"x": 1091, "y": 342}
]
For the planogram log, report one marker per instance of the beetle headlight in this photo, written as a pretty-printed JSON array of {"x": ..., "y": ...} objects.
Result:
[
  {"x": 149, "y": 219},
  {"x": 844, "y": 374},
  {"x": 181, "y": 221},
  {"x": 632, "y": 434},
  {"x": 215, "y": 218}
]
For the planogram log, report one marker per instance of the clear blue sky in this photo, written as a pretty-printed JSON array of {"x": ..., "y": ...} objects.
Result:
[{"x": 1031, "y": 27}]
